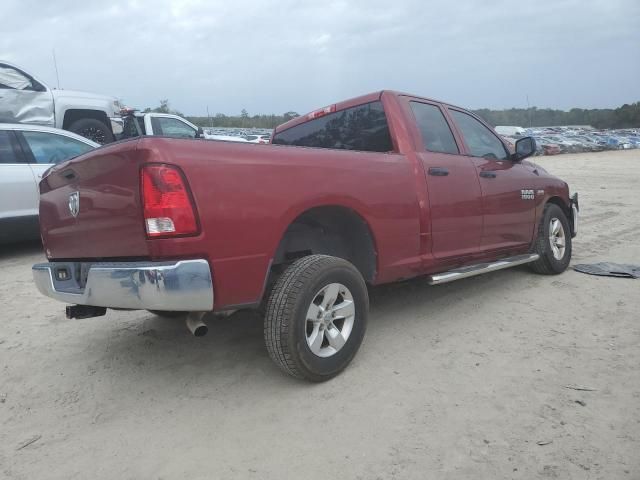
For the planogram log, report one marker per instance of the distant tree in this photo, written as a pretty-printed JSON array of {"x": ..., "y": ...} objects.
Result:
[
  {"x": 626, "y": 116},
  {"x": 290, "y": 115},
  {"x": 163, "y": 108}
]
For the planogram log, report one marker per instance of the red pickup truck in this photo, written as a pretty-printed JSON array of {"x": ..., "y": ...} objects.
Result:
[{"x": 376, "y": 189}]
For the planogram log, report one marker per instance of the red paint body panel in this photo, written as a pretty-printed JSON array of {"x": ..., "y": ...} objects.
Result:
[
  {"x": 109, "y": 223},
  {"x": 246, "y": 195}
]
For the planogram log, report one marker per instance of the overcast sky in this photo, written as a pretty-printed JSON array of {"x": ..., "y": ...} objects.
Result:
[{"x": 271, "y": 57}]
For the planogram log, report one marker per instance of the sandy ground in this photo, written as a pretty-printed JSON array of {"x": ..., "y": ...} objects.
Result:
[{"x": 462, "y": 381}]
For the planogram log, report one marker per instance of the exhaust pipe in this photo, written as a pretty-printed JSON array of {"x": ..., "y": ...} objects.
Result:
[{"x": 195, "y": 324}]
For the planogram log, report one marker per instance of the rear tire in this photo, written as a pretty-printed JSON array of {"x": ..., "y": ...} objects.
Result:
[
  {"x": 553, "y": 242},
  {"x": 92, "y": 129},
  {"x": 316, "y": 317}
]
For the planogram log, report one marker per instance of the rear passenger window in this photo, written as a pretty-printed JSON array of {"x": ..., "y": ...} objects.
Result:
[
  {"x": 49, "y": 148},
  {"x": 480, "y": 140},
  {"x": 7, "y": 152},
  {"x": 358, "y": 128},
  {"x": 436, "y": 134}
]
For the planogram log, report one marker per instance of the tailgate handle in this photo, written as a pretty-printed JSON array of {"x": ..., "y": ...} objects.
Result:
[{"x": 438, "y": 171}]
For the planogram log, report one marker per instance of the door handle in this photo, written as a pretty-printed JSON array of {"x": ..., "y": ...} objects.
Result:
[
  {"x": 488, "y": 174},
  {"x": 438, "y": 171}
]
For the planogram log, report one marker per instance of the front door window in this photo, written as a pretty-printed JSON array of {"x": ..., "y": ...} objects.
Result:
[
  {"x": 171, "y": 127},
  {"x": 479, "y": 139}
]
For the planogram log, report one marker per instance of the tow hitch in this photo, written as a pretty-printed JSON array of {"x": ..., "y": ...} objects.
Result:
[{"x": 85, "y": 311}]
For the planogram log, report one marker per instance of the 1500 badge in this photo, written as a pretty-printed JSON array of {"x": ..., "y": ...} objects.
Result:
[{"x": 527, "y": 194}]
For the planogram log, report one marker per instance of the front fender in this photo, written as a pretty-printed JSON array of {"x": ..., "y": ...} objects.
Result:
[{"x": 64, "y": 104}]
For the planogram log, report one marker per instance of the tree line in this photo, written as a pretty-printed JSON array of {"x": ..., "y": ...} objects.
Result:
[{"x": 626, "y": 116}]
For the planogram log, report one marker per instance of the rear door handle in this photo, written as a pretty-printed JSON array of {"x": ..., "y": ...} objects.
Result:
[
  {"x": 438, "y": 171},
  {"x": 488, "y": 174}
]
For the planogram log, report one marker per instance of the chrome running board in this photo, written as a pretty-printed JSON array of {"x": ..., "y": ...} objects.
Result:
[{"x": 480, "y": 268}]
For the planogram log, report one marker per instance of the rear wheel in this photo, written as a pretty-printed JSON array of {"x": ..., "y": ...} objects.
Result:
[
  {"x": 553, "y": 242},
  {"x": 316, "y": 317},
  {"x": 92, "y": 129}
]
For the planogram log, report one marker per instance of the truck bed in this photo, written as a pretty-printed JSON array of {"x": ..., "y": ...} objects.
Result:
[{"x": 245, "y": 196}]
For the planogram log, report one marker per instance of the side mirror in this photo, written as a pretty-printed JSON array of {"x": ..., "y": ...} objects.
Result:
[
  {"x": 525, "y": 147},
  {"x": 200, "y": 133}
]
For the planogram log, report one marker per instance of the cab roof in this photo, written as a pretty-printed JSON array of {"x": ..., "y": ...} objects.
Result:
[{"x": 352, "y": 102}]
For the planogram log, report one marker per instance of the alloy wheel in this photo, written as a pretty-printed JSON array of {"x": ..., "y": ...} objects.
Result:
[
  {"x": 330, "y": 319},
  {"x": 557, "y": 238}
]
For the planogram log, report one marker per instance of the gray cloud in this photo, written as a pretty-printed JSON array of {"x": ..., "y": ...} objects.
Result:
[{"x": 296, "y": 55}]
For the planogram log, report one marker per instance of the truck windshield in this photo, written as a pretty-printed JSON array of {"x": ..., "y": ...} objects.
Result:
[{"x": 363, "y": 128}]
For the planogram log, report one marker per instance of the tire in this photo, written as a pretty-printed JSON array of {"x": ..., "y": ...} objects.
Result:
[
  {"x": 167, "y": 313},
  {"x": 305, "y": 286},
  {"x": 553, "y": 259},
  {"x": 92, "y": 129}
]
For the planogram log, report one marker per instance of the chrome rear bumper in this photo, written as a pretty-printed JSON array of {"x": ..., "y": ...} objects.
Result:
[{"x": 184, "y": 286}]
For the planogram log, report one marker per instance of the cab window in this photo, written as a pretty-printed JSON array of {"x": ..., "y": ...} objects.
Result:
[
  {"x": 361, "y": 128},
  {"x": 13, "y": 79},
  {"x": 435, "y": 131},
  {"x": 171, "y": 127},
  {"x": 480, "y": 140}
]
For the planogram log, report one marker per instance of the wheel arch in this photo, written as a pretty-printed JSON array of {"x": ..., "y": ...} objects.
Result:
[
  {"x": 558, "y": 201},
  {"x": 566, "y": 207},
  {"x": 74, "y": 114},
  {"x": 330, "y": 229}
]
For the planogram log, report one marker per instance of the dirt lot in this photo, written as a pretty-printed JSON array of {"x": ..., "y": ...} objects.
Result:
[{"x": 466, "y": 380}]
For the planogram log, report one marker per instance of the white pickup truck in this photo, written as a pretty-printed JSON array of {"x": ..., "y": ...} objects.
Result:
[
  {"x": 136, "y": 124},
  {"x": 25, "y": 99}
]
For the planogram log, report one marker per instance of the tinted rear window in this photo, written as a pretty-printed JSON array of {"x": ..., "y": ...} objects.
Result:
[{"x": 358, "y": 128}]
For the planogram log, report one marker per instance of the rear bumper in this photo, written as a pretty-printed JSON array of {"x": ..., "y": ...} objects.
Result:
[{"x": 183, "y": 286}]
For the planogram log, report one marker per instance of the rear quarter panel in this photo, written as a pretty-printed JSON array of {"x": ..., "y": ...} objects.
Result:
[{"x": 248, "y": 194}]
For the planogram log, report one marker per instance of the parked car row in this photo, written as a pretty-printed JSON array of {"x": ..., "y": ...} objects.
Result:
[
  {"x": 555, "y": 140},
  {"x": 254, "y": 135}
]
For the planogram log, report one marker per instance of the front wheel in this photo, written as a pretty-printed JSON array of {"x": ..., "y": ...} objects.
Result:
[
  {"x": 316, "y": 317},
  {"x": 553, "y": 242}
]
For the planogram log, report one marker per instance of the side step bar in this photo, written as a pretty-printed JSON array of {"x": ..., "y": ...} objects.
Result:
[{"x": 480, "y": 268}]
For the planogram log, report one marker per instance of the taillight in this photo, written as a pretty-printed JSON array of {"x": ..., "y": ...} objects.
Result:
[
  {"x": 321, "y": 112},
  {"x": 168, "y": 210}
]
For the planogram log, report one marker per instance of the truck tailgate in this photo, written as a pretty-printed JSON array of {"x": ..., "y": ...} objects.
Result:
[{"x": 90, "y": 207}]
